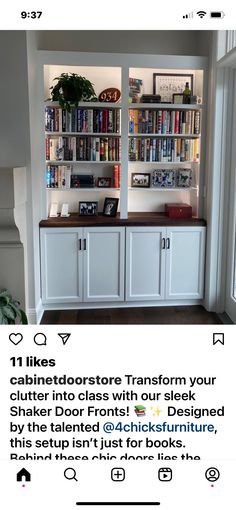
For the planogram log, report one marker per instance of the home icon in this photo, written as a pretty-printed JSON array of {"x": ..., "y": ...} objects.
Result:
[{"x": 23, "y": 476}]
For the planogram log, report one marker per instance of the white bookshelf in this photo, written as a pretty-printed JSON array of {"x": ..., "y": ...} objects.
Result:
[
  {"x": 165, "y": 106},
  {"x": 106, "y": 70}
]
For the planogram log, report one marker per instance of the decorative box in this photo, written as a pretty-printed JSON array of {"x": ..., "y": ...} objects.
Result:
[{"x": 178, "y": 210}]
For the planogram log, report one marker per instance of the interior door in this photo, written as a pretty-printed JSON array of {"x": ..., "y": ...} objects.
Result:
[{"x": 230, "y": 302}]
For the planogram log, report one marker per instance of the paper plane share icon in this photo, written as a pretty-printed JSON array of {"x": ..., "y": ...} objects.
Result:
[{"x": 64, "y": 337}]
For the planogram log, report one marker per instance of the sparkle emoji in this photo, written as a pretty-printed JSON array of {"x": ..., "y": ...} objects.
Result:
[
  {"x": 140, "y": 410},
  {"x": 155, "y": 411}
]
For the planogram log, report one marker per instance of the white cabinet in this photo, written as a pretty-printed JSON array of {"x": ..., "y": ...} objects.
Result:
[
  {"x": 185, "y": 256},
  {"x": 165, "y": 263},
  {"x": 104, "y": 264},
  {"x": 88, "y": 264},
  {"x": 61, "y": 265},
  {"x": 145, "y": 264},
  {"x": 82, "y": 264}
]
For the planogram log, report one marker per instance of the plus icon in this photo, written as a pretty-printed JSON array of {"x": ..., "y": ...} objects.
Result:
[{"x": 117, "y": 474}]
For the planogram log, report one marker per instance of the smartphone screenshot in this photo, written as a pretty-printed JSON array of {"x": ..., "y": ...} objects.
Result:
[{"x": 117, "y": 256}]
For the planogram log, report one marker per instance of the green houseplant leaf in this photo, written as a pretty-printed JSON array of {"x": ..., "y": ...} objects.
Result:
[
  {"x": 10, "y": 311},
  {"x": 72, "y": 88}
]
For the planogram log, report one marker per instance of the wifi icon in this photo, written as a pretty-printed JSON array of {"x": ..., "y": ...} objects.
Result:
[{"x": 201, "y": 14}]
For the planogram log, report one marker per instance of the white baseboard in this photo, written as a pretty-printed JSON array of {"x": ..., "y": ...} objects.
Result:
[
  {"x": 35, "y": 314},
  {"x": 119, "y": 304}
]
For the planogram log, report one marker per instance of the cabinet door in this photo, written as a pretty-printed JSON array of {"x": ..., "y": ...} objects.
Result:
[
  {"x": 61, "y": 265},
  {"x": 104, "y": 264},
  {"x": 185, "y": 259},
  {"x": 145, "y": 263}
]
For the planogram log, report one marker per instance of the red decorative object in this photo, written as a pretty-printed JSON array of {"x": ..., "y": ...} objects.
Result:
[
  {"x": 178, "y": 210},
  {"x": 111, "y": 95}
]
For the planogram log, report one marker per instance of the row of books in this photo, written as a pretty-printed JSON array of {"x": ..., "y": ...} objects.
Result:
[
  {"x": 164, "y": 122},
  {"x": 164, "y": 149},
  {"x": 58, "y": 176},
  {"x": 86, "y": 148},
  {"x": 82, "y": 120},
  {"x": 62, "y": 177}
]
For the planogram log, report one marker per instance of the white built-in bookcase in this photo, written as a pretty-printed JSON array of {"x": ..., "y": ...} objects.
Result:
[{"x": 114, "y": 70}]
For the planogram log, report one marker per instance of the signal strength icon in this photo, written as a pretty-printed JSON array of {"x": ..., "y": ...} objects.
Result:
[
  {"x": 201, "y": 14},
  {"x": 189, "y": 15}
]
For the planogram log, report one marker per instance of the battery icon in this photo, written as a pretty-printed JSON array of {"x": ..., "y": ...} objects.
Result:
[{"x": 217, "y": 14}]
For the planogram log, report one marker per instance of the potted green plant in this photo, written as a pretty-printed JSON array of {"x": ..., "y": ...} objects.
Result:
[
  {"x": 72, "y": 88},
  {"x": 10, "y": 311}
]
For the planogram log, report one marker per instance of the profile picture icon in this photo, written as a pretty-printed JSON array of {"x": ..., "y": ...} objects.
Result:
[{"x": 212, "y": 474}]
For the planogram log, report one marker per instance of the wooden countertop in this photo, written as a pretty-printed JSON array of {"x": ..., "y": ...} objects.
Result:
[{"x": 134, "y": 219}]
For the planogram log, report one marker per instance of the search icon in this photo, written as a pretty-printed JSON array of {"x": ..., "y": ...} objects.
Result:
[{"x": 70, "y": 474}]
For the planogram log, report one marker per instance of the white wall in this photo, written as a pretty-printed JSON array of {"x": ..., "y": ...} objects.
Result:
[
  {"x": 174, "y": 42},
  {"x": 101, "y": 77},
  {"x": 14, "y": 125},
  {"x": 36, "y": 182},
  {"x": 18, "y": 52}
]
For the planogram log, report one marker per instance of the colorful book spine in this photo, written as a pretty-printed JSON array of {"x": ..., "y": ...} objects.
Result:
[
  {"x": 162, "y": 122},
  {"x": 82, "y": 120},
  {"x": 116, "y": 176},
  {"x": 58, "y": 176},
  {"x": 163, "y": 149}
]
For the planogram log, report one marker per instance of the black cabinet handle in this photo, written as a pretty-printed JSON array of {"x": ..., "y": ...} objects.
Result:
[
  {"x": 163, "y": 243},
  {"x": 168, "y": 243},
  {"x": 84, "y": 244},
  {"x": 80, "y": 245}
]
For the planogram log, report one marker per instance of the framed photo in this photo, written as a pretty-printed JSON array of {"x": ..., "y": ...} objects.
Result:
[
  {"x": 110, "y": 206},
  {"x": 88, "y": 208},
  {"x": 178, "y": 98},
  {"x": 167, "y": 84},
  {"x": 104, "y": 182},
  {"x": 184, "y": 178},
  {"x": 140, "y": 180},
  {"x": 163, "y": 178}
]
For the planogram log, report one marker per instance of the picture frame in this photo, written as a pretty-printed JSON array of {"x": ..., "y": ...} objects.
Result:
[
  {"x": 110, "y": 206},
  {"x": 140, "y": 180},
  {"x": 184, "y": 178},
  {"x": 167, "y": 84},
  {"x": 164, "y": 178},
  {"x": 104, "y": 182},
  {"x": 88, "y": 208},
  {"x": 178, "y": 98}
]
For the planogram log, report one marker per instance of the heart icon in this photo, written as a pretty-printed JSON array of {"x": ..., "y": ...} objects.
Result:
[{"x": 15, "y": 338}]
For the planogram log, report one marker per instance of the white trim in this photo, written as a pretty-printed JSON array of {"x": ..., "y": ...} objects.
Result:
[
  {"x": 228, "y": 60},
  {"x": 119, "y": 59},
  {"x": 212, "y": 164},
  {"x": 224, "y": 210},
  {"x": 126, "y": 304},
  {"x": 34, "y": 315},
  {"x": 217, "y": 159}
]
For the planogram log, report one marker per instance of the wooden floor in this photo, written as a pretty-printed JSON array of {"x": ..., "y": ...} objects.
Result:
[{"x": 144, "y": 315}]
